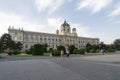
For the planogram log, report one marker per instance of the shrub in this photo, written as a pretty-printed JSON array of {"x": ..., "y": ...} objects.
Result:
[
  {"x": 61, "y": 48},
  {"x": 28, "y": 51},
  {"x": 81, "y": 51},
  {"x": 55, "y": 52},
  {"x": 16, "y": 52},
  {"x": 50, "y": 50},
  {"x": 10, "y": 53},
  {"x": 71, "y": 48},
  {"x": 75, "y": 51},
  {"x": 37, "y": 49},
  {"x": 97, "y": 51},
  {"x": 111, "y": 50},
  {"x": 92, "y": 51}
]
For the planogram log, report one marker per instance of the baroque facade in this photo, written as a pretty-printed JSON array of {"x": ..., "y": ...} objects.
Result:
[{"x": 63, "y": 36}]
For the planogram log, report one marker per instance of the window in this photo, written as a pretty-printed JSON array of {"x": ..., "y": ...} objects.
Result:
[
  {"x": 26, "y": 46},
  {"x": 68, "y": 30}
]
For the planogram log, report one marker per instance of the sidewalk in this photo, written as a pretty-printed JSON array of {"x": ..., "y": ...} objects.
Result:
[{"x": 105, "y": 58}]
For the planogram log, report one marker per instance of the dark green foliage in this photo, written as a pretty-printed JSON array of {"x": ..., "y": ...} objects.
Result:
[
  {"x": 16, "y": 52},
  {"x": 97, "y": 51},
  {"x": 111, "y": 50},
  {"x": 30, "y": 51},
  {"x": 117, "y": 44},
  {"x": 102, "y": 46},
  {"x": 0, "y": 46},
  {"x": 18, "y": 46},
  {"x": 81, "y": 51},
  {"x": 6, "y": 42},
  {"x": 75, "y": 51},
  {"x": 61, "y": 48},
  {"x": 71, "y": 48},
  {"x": 88, "y": 47},
  {"x": 94, "y": 48},
  {"x": 55, "y": 52},
  {"x": 44, "y": 47},
  {"x": 92, "y": 51},
  {"x": 37, "y": 49},
  {"x": 10, "y": 46},
  {"x": 10, "y": 53},
  {"x": 50, "y": 50}
]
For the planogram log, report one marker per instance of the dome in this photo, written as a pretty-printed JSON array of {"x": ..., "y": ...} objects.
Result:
[
  {"x": 74, "y": 29},
  {"x": 65, "y": 24}
]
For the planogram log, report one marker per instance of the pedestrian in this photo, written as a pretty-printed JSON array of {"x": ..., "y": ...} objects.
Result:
[
  {"x": 62, "y": 53},
  {"x": 103, "y": 51},
  {"x": 68, "y": 54}
]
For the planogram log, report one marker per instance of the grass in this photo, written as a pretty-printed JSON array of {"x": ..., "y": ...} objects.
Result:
[
  {"x": 45, "y": 55},
  {"x": 30, "y": 55},
  {"x": 24, "y": 55},
  {"x": 75, "y": 55}
]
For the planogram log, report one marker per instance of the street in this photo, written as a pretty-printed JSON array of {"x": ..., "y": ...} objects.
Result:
[{"x": 73, "y": 68}]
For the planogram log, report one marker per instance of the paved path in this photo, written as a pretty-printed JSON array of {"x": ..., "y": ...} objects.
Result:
[{"x": 77, "y": 68}]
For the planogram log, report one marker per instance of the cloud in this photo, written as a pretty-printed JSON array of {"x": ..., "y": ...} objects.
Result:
[
  {"x": 50, "y": 5},
  {"x": 17, "y": 21},
  {"x": 82, "y": 30},
  {"x": 94, "y": 5},
  {"x": 116, "y": 11},
  {"x": 55, "y": 22}
]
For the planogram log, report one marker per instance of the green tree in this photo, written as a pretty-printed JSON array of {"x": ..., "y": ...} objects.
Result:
[
  {"x": 75, "y": 51},
  {"x": 95, "y": 47},
  {"x": 61, "y": 48},
  {"x": 45, "y": 47},
  {"x": 30, "y": 51},
  {"x": 55, "y": 52},
  {"x": 71, "y": 48},
  {"x": 7, "y": 42},
  {"x": 0, "y": 46},
  {"x": 81, "y": 51},
  {"x": 102, "y": 46},
  {"x": 117, "y": 44},
  {"x": 37, "y": 49},
  {"x": 18, "y": 46},
  {"x": 88, "y": 47}
]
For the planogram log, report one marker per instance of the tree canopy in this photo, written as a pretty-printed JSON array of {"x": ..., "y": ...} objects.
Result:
[{"x": 117, "y": 44}]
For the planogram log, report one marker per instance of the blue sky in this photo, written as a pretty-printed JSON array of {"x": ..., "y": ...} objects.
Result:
[{"x": 92, "y": 18}]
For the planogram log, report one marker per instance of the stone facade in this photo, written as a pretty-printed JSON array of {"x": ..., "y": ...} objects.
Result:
[{"x": 63, "y": 36}]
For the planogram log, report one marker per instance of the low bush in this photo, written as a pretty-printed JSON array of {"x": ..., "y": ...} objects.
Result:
[
  {"x": 28, "y": 51},
  {"x": 55, "y": 52},
  {"x": 75, "y": 51},
  {"x": 97, "y": 51},
  {"x": 92, "y": 51},
  {"x": 81, "y": 51},
  {"x": 37, "y": 49},
  {"x": 16, "y": 52},
  {"x": 111, "y": 50},
  {"x": 10, "y": 53}
]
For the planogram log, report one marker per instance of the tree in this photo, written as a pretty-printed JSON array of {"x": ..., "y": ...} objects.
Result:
[
  {"x": 0, "y": 46},
  {"x": 81, "y": 51},
  {"x": 45, "y": 47},
  {"x": 7, "y": 42},
  {"x": 37, "y": 49},
  {"x": 117, "y": 44},
  {"x": 102, "y": 46},
  {"x": 71, "y": 48},
  {"x": 61, "y": 48},
  {"x": 55, "y": 52},
  {"x": 18, "y": 46},
  {"x": 88, "y": 47}
]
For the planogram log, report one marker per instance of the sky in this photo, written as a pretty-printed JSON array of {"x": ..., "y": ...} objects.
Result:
[{"x": 92, "y": 18}]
